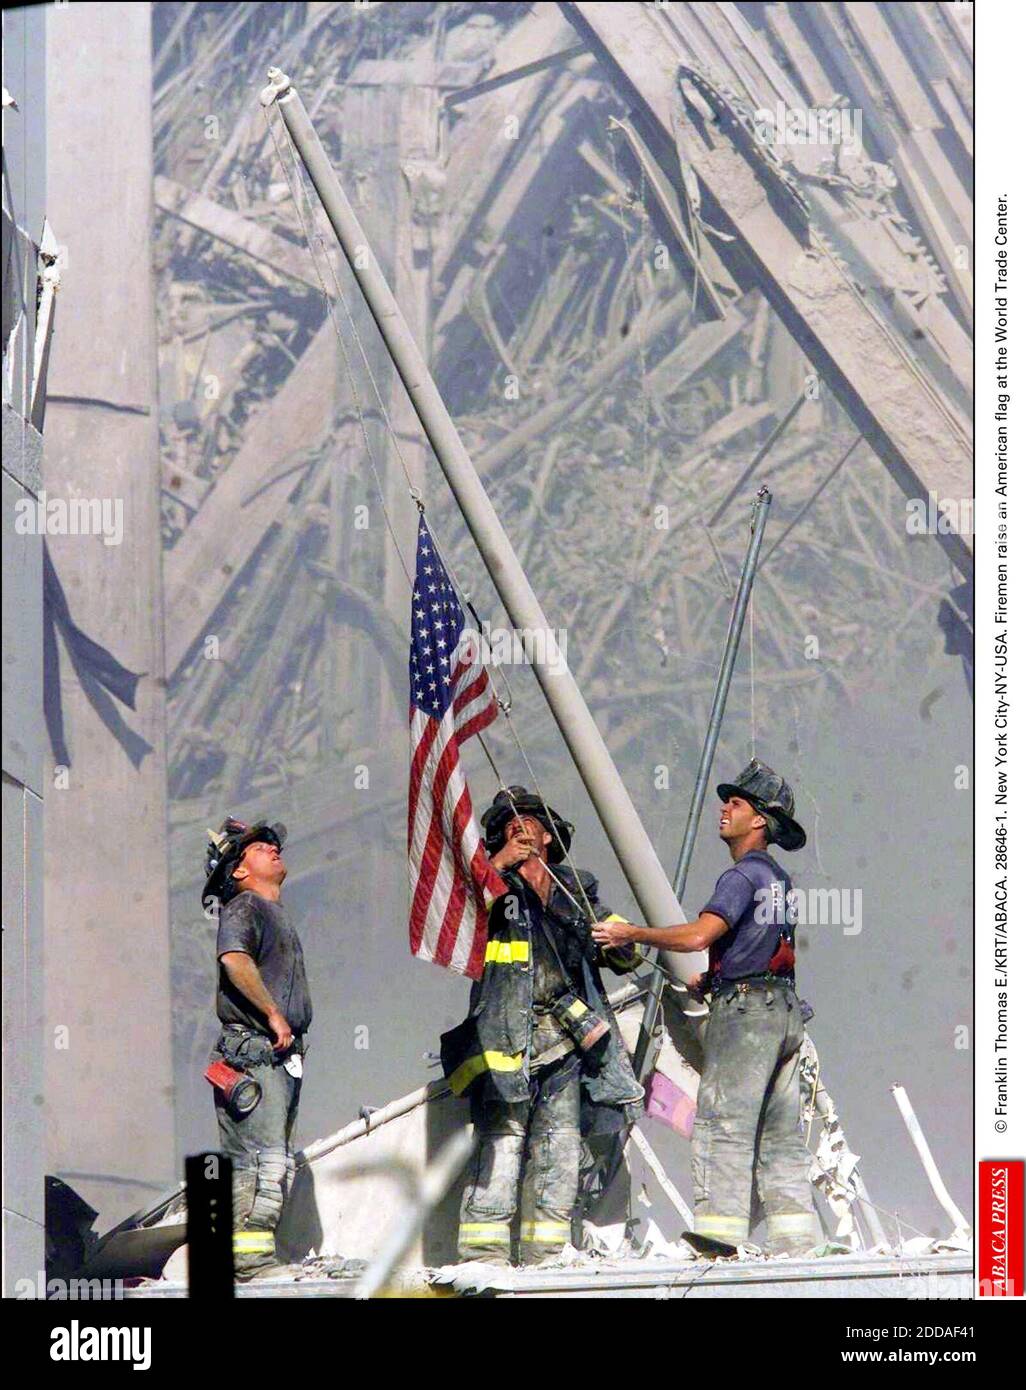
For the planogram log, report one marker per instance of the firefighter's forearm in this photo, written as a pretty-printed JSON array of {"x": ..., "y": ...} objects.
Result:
[
  {"x": 685, "y": 936},
  {"x": 679, "y": 938},
  {"x": 244, "y": 975}
]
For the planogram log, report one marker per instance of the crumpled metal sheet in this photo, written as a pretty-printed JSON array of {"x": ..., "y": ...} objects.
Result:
[
  {"x": 959, "y": 1242},
  {"x": 475, "y": 1276},
  {"x": 833, "y": 1162}
]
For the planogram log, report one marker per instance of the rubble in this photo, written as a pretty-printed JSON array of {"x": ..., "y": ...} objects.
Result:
[{"x": 610, "y": 366}]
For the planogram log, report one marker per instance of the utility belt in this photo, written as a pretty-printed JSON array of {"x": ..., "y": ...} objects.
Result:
[
  {"x": 243, "y": 1047},
  {"x": 243, "y": 1030},
  {"x": 765, "y": 980},
  {"x": 237, "y": 1049},
  {"x": 551, "y": 1054}
]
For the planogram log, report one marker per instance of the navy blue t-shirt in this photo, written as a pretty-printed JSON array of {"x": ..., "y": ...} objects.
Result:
[
  {"x": 263, "y": 930},
  {"x": 752, "y": 897}
]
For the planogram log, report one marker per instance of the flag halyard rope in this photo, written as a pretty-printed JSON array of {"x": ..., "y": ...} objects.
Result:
[{"x": 308, "y": 226}]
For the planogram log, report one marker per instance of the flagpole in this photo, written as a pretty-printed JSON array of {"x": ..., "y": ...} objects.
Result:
[
  {"x": 760, "y": 512},
  {"x": 627, "y": 835}
]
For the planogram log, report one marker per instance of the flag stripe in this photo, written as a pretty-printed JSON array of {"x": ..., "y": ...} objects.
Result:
[{"x": 452, "y": 882}]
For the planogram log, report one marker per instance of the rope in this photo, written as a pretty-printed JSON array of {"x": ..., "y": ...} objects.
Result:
[
  {"x": 751, "y": 660},
  {"x": 555, "y": 829},
  {"x": 297, "y": 166},
  {"x": 504, "y": 705},
  {"x": 506, "y": 708},
  {"x": 350, "y": 375}
]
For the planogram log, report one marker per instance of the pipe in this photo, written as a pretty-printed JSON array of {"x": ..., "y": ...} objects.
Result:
[
  {"x": 438, "y": 1177},
  {"x": 357, "y": 1129},
  {"x": 627, "y": 835},
  {"x": 661, "y": 1176},
  {"x": 923, "y": 1149},
  {"x": 760, "y": 513},
  {"x": 434, "y": 1090}
]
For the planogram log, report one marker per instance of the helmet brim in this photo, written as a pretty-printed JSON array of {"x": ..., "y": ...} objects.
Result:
[
  {"x": 262, "y": 832},
  {"x": 790, "y": 835},
  {"x": 497, "y": 817}
]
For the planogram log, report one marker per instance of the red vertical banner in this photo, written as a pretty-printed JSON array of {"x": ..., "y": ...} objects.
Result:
[{"x": 1001, "y": 1228}]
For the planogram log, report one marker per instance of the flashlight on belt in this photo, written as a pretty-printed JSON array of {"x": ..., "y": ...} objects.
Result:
[
  {"x": 584, "y": 1025},
  {"x": 241, "y": 1093}
]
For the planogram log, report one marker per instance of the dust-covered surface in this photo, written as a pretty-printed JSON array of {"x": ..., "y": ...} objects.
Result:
[
  {"x": 671, "y": 1276},
  {"x": 610, "y": 395}
]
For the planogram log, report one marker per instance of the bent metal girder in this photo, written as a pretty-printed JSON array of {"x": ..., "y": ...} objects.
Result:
[{"x": 916, "y": 433}]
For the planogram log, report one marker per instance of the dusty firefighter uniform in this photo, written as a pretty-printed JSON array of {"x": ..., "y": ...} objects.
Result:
[
  {"x": 260, "y": 1143},
  {"x": 519, "y": 1101},
  {"x": 748, "y": 1126}
]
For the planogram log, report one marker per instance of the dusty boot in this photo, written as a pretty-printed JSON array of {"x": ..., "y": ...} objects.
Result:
[
  {"x": 253, "y": 1252},
  {"x": 273, "y": 1271},
  {"x": 792, "y": 1233}
]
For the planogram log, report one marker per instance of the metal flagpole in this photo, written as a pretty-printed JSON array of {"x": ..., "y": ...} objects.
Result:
[
  {"x": 760, "y": 512},
  {"x": 633, "y": 849}
]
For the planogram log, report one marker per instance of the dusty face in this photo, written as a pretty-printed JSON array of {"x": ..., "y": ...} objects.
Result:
[
  {"x": 739, "y": 818},
  {"x": 532, "y": 829},
  {"x": 261, "y": 863}
]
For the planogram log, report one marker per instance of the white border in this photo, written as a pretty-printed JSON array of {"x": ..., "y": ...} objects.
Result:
[{"x": 1000, "y": 36}]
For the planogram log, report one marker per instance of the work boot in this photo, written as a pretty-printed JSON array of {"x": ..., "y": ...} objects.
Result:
[
  {"x": 275, "y": 1271},
  {"x": 793, "y": 1233}
]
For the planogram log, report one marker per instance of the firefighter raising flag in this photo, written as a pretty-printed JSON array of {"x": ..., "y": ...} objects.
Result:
[{"x": 452, "y": 882}]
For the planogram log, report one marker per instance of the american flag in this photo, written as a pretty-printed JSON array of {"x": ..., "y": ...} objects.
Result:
[{"x": 452, "y": 882}]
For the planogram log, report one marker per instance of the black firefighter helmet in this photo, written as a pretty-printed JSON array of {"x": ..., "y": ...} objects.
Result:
[
  {"x": 773, "y": 798},
  {"x": 225, "y": 847},
  {"x": 511, "y": 801}
]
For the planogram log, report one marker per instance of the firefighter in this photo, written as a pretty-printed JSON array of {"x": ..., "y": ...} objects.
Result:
[
  {"x": 540, "y": 1039},
  {"x": 263, "y": 1004},
  {"x": 747, "y": 1129}
]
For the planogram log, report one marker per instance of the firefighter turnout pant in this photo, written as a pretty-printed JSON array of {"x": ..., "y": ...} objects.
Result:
[
  {"x": 260, "y": 1147},
  {"x": 747, "y": 1130},
  {"x": 545, "y": 1130}
]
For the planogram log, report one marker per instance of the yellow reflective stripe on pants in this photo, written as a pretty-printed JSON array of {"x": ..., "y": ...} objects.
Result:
[
  {"x": 483, "y": 1233},
  {"x": 788, "y": 1223},
  {"x": 506, "y": 952},
  {"x": 730, "y": 1229},
  {"x": 484, "y": 1061},
  {"x": 253, "y": 1242},
  {"x": 545, "y": 1231}
]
